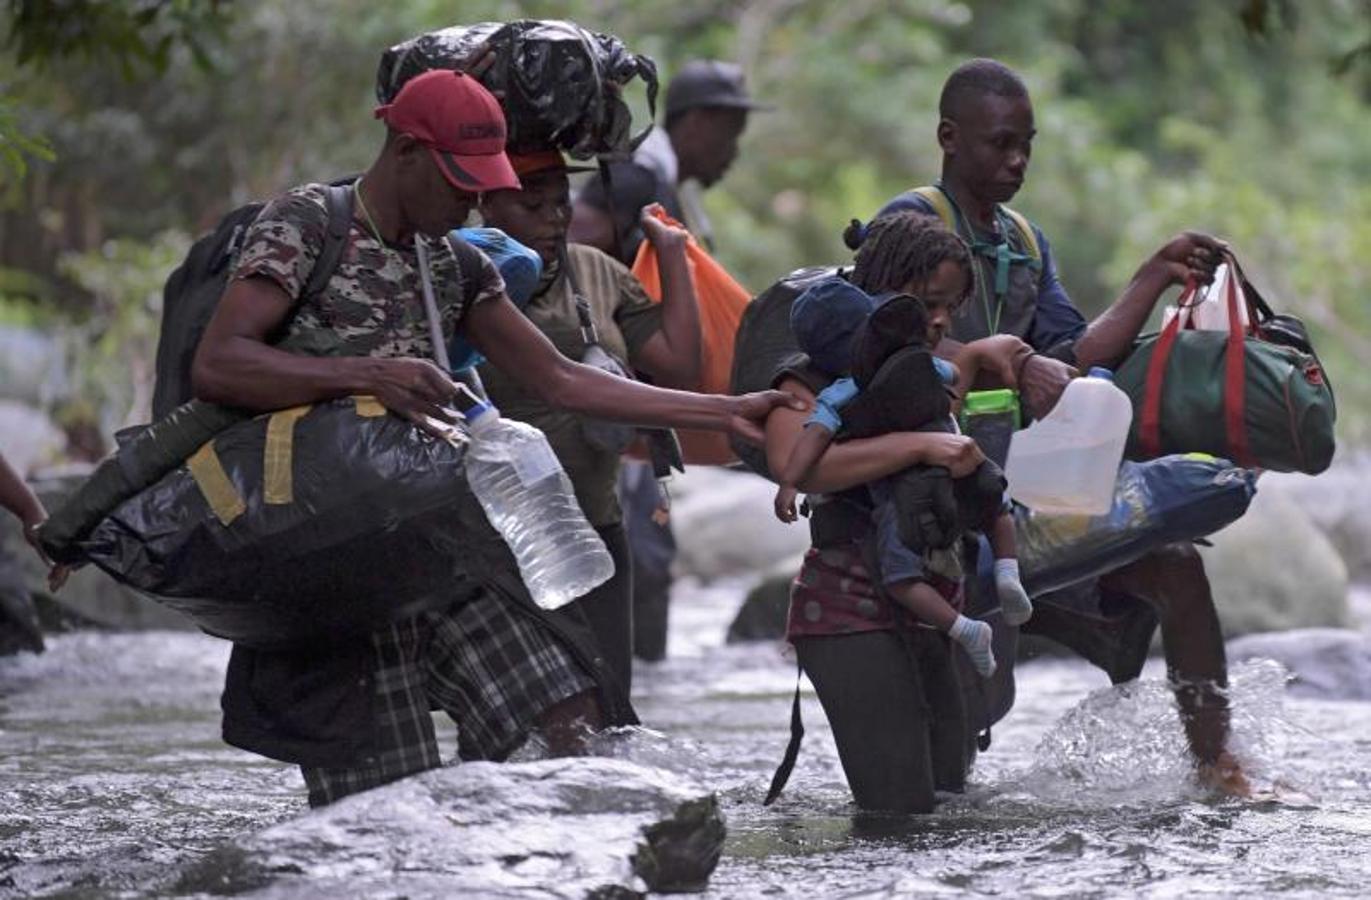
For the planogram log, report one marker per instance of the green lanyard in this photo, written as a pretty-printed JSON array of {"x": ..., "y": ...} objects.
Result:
[{"x": 1000, "y": 252}]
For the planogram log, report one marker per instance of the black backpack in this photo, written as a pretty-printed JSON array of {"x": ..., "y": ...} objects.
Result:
[
  {"x": 764, "y": 347},
  {"x": 193, "y": 290}
]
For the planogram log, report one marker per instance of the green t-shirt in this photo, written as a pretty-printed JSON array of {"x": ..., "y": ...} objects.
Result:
[{"x": 625, "y": 318}]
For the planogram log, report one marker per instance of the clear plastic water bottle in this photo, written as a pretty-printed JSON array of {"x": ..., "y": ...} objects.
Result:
[
  {"x": 1068, "y": 462},
  {"x": 529, "y": 499}
]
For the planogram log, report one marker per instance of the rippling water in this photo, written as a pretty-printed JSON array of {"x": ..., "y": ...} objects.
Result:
[{"x": 112, "y": 777}]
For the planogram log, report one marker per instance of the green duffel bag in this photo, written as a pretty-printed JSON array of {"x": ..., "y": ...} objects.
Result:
[{"x": 1257, "y": 395}]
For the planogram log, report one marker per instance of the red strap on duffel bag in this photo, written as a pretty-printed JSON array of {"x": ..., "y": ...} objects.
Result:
[{"x": 1235, "y": 373}]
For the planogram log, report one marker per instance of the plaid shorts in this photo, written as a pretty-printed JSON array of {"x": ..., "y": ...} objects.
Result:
[{"x": 492, "y": 670}]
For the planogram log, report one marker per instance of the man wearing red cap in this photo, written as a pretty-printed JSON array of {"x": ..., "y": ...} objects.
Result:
[{"x": 356, "y": 715}]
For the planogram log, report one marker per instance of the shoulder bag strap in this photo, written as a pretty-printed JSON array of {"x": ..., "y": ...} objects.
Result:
[
  {"x": 338, "y": 199},
  {"x": 1150, "y": 417}
]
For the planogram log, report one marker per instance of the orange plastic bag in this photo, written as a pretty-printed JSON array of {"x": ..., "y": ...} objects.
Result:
[{"x": 721, "y": 310}]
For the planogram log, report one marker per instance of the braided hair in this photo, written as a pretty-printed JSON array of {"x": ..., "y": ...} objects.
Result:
[{"x": 906, "y": 247}]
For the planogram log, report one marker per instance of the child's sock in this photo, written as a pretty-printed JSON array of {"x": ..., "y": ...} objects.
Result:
[
  {"x": 974, "y": 636},
  {"x": 1013, "y": 598}
]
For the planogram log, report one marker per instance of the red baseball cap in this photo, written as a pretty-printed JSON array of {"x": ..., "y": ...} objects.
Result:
[{"x": 462, "y": 125}]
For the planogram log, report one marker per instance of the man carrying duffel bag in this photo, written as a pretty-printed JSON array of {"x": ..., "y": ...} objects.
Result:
[{"x": 986, "y": 131}]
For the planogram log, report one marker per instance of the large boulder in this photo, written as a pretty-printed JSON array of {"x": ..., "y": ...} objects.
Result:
[
  {"x": 33, "y": 366},
  {"x": 1325, "y": 663},
  {"x": 1274, "y": 570},
  {"x": 29, "y": 439},
  {"x": 763, "y": 614},
  {"x": 725, "y": 526},
  {"x": 1338, "y": 502},
  {"x": 554, "y": 828}
]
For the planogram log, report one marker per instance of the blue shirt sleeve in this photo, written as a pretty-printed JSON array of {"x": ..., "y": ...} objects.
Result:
[
  {"x": 1057, "y": 319},
  {"x": 830, "y": 401}
]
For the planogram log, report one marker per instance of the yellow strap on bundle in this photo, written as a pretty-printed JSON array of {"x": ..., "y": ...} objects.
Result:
[
  {"x": 369, "y": 407},
  {"x": 277, "y": 485},
  {"x": 214, "y": 484}
]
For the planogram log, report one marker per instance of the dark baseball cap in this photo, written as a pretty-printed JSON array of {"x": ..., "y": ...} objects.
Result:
[
  {"x": 826, "y": 318},
  {"x": 461, "y": 124},
  {"x": 709, "y": 83}
]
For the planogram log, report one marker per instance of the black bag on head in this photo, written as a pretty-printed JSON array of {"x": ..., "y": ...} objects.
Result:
[
  {"x": 194, "y": 288},
  {"x": 552, "y": 77}
]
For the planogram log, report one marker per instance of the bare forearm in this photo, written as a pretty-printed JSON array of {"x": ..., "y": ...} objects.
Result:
[
  {"x": 248, "y": 373},
  {"x": 844, "y": 465},
  {"x": 16, "y": 496},
  {"x": 595, "y": 393},
  {"x": 680, "y": 322},
  {"x": 809, "y": 449},
  {"x": 1110, "y": 337}
]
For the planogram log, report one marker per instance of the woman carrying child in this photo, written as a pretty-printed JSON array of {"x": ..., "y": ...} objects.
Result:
[
  {"x": 878, "y": 349},
  {"x": 888, "y": 684}
]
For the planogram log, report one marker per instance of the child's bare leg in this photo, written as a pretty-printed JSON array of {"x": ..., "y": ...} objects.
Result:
[
  {"x": 929, "y": 607},
  {"x": 1014, "y": 601}
]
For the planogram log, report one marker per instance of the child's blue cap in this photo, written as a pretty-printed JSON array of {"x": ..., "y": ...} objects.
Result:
[{"x": 825, "y": 318}]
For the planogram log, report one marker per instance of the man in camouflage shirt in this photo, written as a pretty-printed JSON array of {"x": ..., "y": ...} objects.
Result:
[{"x": 355, "y": 715}]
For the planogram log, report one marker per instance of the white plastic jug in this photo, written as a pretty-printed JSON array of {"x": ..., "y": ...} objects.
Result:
[{"x": 1068, "y": 462}]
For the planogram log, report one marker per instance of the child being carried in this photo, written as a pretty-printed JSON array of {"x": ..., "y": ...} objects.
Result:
[{"x": 889, "y": 380}]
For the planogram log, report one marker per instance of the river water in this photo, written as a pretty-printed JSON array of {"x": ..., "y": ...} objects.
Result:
[{"x": 113, "y": 778}]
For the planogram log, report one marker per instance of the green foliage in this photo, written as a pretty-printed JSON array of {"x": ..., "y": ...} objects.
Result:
[
  {"x": 113, "y": 346},
  {"x": 17, "y": 147},
  {"x": 130, "y": 33},
  {"x": 1153, "y": 117}
]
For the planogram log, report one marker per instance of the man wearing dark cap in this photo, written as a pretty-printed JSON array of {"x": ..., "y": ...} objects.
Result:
[
  {"x": 707, "y": 104},
  {"x": 356, "y": 714}
]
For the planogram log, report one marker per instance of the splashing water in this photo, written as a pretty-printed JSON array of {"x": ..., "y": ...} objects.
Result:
[
  {"x": 1123, "y": 745},
  {"x": 113, "y": 778}
]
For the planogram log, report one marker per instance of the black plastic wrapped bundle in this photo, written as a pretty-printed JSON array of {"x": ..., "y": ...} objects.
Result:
[
  {"x": 1172, "y": 498},
  {"x": 298, "y": 526},
  {"x": 553, "y": 78}
]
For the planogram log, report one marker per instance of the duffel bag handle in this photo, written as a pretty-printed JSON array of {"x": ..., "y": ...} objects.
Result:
[
  {"x": 1259, "y": 310},
  {"x": 1235, "y": 371},
  {"x": 1150, "y": 417},
  {"x": 1235, "y": 381}
]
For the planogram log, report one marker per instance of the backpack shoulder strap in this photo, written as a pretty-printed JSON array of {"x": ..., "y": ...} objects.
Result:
[
  {"x": 942, "y": 207},
  {"x": 1025, "y": 228},
  {"x": 338, "y": 199}
]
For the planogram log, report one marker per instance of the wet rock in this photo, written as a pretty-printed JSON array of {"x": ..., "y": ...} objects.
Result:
[
  {"x": 1327, "y": 663},
  {"x": 554, "y": 828},
  {"x": 762, "y": 616},
  {"x": 724, "y": 525},
  {"x": 1274, "y": 570},
  {"x": 33, "y": 366},
  {"x": 19, "y": 628},
  {"x": 28, "y": 438},
  {"x": 1338, "y": 502}
]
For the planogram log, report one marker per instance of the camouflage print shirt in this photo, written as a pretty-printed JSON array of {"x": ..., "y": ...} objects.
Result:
[{"x": 374, "y": 304}]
